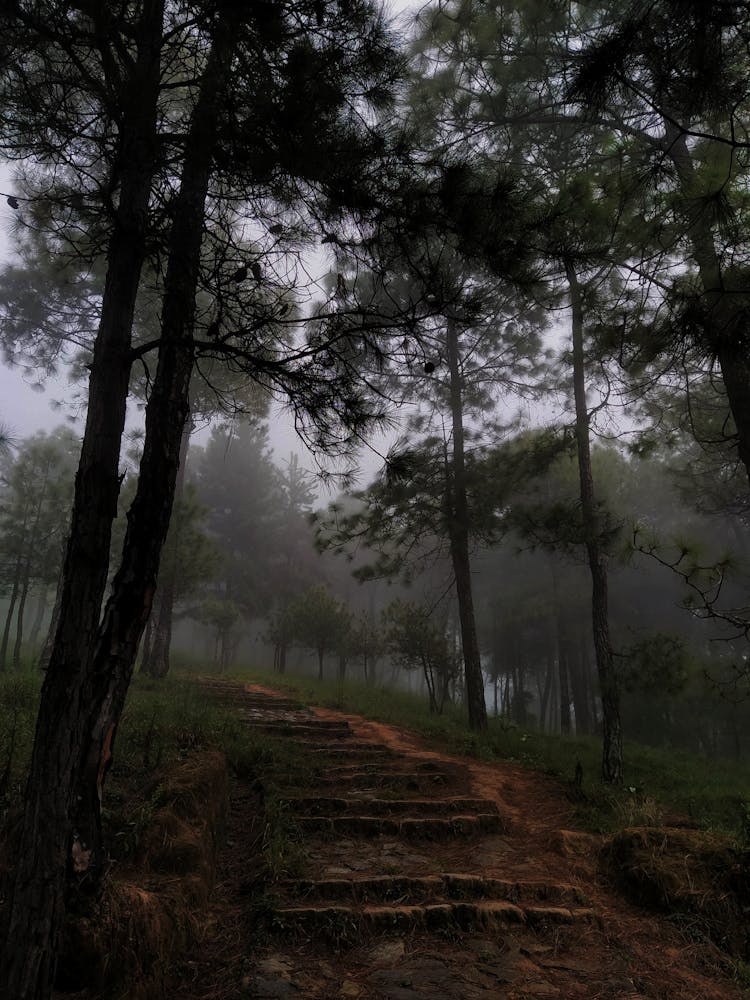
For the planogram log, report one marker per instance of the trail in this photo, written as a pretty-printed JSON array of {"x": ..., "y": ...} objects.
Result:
[{"x": 427, "y": 875}]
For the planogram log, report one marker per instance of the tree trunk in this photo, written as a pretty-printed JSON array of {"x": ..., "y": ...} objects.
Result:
[
  {"x": 562, "y": 653},
  {"x": 726, "y": 304},
  {"x": 9, "y": 616},
  {"x": 19, "y": 618},
  {"x": 608, "y": 688},
  {"x": 26, "y": 572},
  {"x": 550, "y": 663},
  {"x": 146, "y": 642},
  {"x": 134, "y": 584},
  {"x": 46, "y": 653},
  {"x": 580, "y": 685},
  {"x": 41, "y": 610},
  {"x": 35, "y": 905},
  {"x": 320, "y": 664},
  {"x": 458, "y": 532},
  {"x": 156, "y": 665}
]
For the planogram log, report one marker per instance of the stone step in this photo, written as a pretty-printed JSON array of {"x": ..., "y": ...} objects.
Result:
[
  {"x": 410, "y": 827},
  {"x": 323, "y": 806},
  {"x": 266, "y": 702},
  {"x": 420, "y": 888},
  {"x": 373, "y": 779},
  {"x": 303, "y": 728},
  {"x": 407, "y": 763},
  {"x": 355, "y": 751},
  {"x": 350, "y": 921}
]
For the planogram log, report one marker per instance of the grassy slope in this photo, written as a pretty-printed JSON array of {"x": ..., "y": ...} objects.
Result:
[{"x": 162, "y": 721}]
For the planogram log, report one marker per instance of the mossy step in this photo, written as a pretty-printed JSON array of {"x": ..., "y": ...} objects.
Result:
[
  {"x": 342, "y": 921},
  {"x": 374, "y": 779},
  {"x": 265, "y": 702},
  {"x": 305, "y": 727},
  {"x": 418, "y": 888},
  {"x": 409, "y": 827},
  {"x": 324, "y": 806},
  {"x": 397, "y": 765},
  {"x": 353, "y": 751}
]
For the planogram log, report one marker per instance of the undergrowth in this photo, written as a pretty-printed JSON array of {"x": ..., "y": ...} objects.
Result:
[
  {"x": 167, "y": 719},
  {"x": 163, "y": 722}
]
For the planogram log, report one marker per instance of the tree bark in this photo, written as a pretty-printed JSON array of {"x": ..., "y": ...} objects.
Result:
[
  {"x": 458, "y": 532},
  {"x": 608, "y": 687},
  {"x": 35, "y": 904}
]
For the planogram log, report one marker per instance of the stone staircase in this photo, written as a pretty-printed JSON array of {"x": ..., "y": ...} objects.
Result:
[
  {"x": 385, "y": 805},
  {"x": 421, "y": 876}
]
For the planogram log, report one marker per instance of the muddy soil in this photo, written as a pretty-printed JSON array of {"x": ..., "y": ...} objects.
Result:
[{"x": 426, "y": 875}]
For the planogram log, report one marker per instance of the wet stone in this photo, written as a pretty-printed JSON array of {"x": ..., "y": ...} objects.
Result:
[
  {"x": 350, "y": 989},
  {"x": 387, "y": 953}
]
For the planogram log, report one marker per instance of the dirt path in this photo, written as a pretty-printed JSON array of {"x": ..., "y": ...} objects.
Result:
[{"x": 424, "y": 875}]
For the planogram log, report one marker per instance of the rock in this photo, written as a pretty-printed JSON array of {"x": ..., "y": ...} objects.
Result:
[
  {"x": 387, "y": 953},
  {"x": 275, "y": 966},
  {"x": 574, "y": 843},
  {"x": 350, "y": 989}
]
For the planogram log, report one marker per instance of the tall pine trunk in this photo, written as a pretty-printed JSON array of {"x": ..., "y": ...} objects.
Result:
[
  {"x": 458, "y": 533},
  {"x": 134, "y": 584},
  {"x": 35, "y": 904},
  {"x": 608, "y": 687}
]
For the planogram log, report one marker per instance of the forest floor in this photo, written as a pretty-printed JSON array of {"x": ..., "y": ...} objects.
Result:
[{"x": 416, "y": 874}]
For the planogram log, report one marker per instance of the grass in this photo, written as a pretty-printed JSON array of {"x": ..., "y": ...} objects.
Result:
[{"x": 165, "y": 720}]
